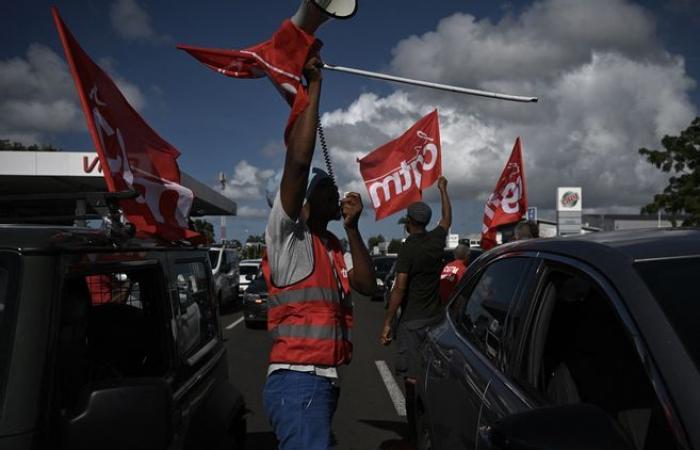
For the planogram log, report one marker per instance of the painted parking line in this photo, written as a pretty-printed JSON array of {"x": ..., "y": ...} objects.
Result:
[
  {"x": 395, "y": 393},
  {"x": 233, "y": 324}
]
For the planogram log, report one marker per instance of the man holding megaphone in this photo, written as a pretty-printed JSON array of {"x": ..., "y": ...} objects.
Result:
[{"x": 310, "y": 278}]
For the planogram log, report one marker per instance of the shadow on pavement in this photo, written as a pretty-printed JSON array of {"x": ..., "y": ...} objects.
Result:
[
  {"x": 261, "y": 441},
  {"x": 389, "y": 425},
  {"x": 396, "y": 444}
]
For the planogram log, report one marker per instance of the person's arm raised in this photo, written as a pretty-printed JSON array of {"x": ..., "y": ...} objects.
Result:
[
  {"x": 300, "y": 145},
  {"x": 446, "y": 220},
  {"x": 362, "y": 276}
]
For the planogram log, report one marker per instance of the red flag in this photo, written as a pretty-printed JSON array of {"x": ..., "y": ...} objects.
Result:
[
  {"x": 132, "y": 155},
  {"x": 281, "y": 59},
  {"x": 408, "y": 164},
  {"x": 508, "y": 203}
]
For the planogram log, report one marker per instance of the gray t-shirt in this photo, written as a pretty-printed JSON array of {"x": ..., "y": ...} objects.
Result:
[
  {"x": 290, "y": 250},
  {"x": 290, "y": 254}
]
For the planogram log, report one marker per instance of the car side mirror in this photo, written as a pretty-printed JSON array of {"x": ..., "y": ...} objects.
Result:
[
  {"x": 581, "y": 427},
  {"x": 121, "y": 414}
]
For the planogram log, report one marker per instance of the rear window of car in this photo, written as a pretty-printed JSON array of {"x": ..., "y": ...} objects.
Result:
[
  {"x": 383, "y": 264},
  {"x": 670, "y": 281},
  {"x": 248, "y": 270},
  {"x": 214, "y": 257}
]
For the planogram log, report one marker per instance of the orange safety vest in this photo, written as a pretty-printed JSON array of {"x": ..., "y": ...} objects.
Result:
[{"x": 311, "y": 320}]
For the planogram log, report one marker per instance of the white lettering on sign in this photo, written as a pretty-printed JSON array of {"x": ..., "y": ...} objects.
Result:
[{"x": 408, "y": 173}]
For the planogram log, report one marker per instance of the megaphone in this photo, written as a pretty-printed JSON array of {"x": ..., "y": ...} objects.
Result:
[{"x": 312, "y": 13}]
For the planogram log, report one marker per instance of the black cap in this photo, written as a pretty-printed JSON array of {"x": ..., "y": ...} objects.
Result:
[{"x": 419, "y": 212}]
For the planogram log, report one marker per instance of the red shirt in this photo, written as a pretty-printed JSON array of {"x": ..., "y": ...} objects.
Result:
[{"x": 451, "y": 274}]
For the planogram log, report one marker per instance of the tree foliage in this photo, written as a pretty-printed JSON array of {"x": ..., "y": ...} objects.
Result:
[
  {"x": 394, "y": 246},
  {"x": 204, "y": 228},
  {"x": 375, "y": 240},
  {"x": 7, "y": 145},
  {"x": 680, "y": 158}
]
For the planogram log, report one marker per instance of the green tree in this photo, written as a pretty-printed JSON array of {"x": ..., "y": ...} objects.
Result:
[
  {"x": 7, "y": 145},
  {"x": 374, "y": 241},
  {"x": 680, "y": 158},
  {"x": 394, "y": 246},
  {"x": 258, "y": 239},
  {"x": 204, "y": 228}
]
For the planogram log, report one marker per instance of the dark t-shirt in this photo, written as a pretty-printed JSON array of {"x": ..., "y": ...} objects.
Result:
[{"x": 420, "y": 256}]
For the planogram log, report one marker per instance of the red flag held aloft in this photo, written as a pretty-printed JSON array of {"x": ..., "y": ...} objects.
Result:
[
  {"x": 508, "y": 203},
  {"x": 132, "y": 155},
  {"x": 281, "y": 59},
  {"x": 396, "y": 173}
]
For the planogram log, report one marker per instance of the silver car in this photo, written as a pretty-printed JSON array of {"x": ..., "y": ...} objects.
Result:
[{"x": 224, "y": 267}]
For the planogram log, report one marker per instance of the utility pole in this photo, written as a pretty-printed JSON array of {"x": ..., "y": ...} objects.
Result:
[{"x": 222, "y": 230}]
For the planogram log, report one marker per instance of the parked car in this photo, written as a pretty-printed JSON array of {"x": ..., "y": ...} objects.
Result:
[
  {"x": 224, "y": 265},
  {"x": 255, "y": 303},
  {"x": 248, "y": 270},
  {"x": 111, "y": 343},
  {"x": 585, "y": 342},
  {"x": 382, "y": 267}
]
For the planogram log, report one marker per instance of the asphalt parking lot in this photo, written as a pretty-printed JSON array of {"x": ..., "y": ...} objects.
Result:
[{"x": 367, "y": 417}]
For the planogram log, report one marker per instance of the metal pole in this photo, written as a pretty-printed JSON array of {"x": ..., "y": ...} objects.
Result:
[{"x": 443, "y": 87}]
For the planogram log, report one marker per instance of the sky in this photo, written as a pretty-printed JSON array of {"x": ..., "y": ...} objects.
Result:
[{"x": 612, "y": 76}]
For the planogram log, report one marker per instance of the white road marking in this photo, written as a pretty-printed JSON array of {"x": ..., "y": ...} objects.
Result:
[
  {"x": 392, "y": 387},
  {"x": 233, "y": 324}
]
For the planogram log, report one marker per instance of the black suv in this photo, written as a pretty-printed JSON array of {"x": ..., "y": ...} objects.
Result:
[{"x": 111, "y": 344}]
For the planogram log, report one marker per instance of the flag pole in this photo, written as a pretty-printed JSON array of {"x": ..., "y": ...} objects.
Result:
[{"x": 443, "y": 87}]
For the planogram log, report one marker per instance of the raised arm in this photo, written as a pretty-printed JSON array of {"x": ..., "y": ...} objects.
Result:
[
  {"x": 362, "y": 276},
  {"x": 446, "y": 220},
  {"x": 300, "y": 145}
]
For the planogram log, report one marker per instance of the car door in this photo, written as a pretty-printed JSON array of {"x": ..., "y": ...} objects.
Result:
[
  {"x": 465, "y": 354},
  {"x": 580, "y": 346}
]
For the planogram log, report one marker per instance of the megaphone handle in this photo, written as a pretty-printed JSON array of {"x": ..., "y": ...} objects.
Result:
[{"x": 324, "y": 149}]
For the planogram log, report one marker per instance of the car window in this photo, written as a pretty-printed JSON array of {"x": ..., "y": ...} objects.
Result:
[
  {"x": 578, "y": 351},
  {"x": 214, "y": 258},
  {"x": 111, "y": 327},
  {"x": 667, "y": 280},
  {"x": 248, "y": 270},
  {"x": 8, "y": 282},
  {"x": 483, "y": 306},
  {"x": 194, "y": 318}
]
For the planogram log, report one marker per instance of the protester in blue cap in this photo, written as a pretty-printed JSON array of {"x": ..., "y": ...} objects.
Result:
[
  {"x": 416, "y": 289},
  {"x": 309, "y": 280}
]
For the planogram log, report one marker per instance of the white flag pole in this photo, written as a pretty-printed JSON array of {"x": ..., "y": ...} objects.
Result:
[{"x": 443, "y": 87}]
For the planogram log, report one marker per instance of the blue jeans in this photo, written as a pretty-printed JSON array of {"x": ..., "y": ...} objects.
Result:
[{"x": 300, "y": 408}]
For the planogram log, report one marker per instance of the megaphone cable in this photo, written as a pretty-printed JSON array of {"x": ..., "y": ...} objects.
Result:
[{"x": 324, "y": 149}]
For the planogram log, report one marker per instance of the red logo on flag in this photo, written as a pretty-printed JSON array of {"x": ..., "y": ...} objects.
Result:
[
  {"x": 132, "y": 155},
  {"x": 397, "y": 172},
  {"x": 281, "y": 59},
  {"x": 508, "y": 202}
]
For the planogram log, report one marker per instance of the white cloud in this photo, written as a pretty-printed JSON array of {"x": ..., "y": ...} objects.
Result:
[
  {"x": 38, "y": 96},
  {"x": 131, "y": 21},
  {"x": 248, "y": 182},
  {"x": 251, "y": 212},
  {"x": 605, "y": 91}
]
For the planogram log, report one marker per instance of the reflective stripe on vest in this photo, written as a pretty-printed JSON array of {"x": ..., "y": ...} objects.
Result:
[
  {"x": 311, "y": 332},
  {"x": 306, "y": 295}
]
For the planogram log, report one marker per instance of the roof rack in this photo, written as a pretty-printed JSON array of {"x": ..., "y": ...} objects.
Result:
[{"x": 105, "y": 203}]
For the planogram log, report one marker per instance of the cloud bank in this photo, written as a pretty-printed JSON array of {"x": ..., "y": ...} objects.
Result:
[{"x": 605, "y": 91}]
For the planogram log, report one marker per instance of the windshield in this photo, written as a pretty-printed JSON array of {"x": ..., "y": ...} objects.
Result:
[
  {"x": 670, "y": 282},
  {"x": 248, "y": 270},
  {"x": 383, "y": 265},
  {"x": 8, "y": 267},
  {"x": 214, "y": 257}
]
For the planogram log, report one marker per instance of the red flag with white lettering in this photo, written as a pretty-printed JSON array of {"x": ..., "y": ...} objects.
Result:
[
  {"x": 508, "y": 203},
  {"x": 281, "y": 59},
  {"x": 132, "y": 155},
  {"x": 408, "y": 164}
]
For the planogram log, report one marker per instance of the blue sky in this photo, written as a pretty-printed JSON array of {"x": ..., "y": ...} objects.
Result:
[{"x": 606, "y": 89}]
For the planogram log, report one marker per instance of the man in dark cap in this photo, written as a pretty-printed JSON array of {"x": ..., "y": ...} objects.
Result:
[{"x": 416, "y": 288}]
